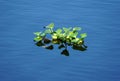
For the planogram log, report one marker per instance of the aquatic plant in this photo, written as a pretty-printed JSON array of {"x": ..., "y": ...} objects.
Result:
[{"x": 64, "y": 37}]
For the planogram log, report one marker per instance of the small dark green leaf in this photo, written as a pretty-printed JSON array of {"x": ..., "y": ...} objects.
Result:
[
  {"x": 77, "y": 47},
  {"x": 61, "y": 46},
  {"x": 39, "y": 43},
  {"x": 47, "y": 41}
]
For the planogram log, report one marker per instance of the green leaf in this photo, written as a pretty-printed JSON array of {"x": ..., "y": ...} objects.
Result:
[
  {"x": 74, "y": 34},
  {"x": 51, "y": 26},
  {"x": 43, "y": 34},
  {"x": 37, "y": 33},
  {"x": 83, "y": 35},
  {"x": 37, "y": 39},
  {"x": 47, "y": 31},
  {"x": 66, "y": 30},
  {"x": 76, "y": 28},
  {"x": 54, "y": 36},
  {"x": 61, "y": 35},
  {"x": 58, "y": 31},
  {"x": 75, "y": 40}
]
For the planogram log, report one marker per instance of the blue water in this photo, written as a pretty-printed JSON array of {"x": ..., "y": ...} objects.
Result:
[{"x": 21, "y": 60}]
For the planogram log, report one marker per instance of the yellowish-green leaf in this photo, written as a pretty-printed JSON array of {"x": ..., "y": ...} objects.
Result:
[
  {"x": 37, "y": 33},
  {"x": 76, "y": 29},
  {"x": 37, "y": 39},
  {"x": 47, "y": 31},
  {"x": 54, "y": 36},
  {"x": 75, "y": 40},
  {"x": 83, "y": 35},
  {"x": 58, "y": 31},
  {"x": 73, "y": 34},
  {"x": 51, "y": 25},
  {"x": 42, "y": 34},
  {"x": 66, "y": 30}
]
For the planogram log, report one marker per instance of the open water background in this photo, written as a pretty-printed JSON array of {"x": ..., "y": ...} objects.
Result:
[{"x": 21, "y": 60}]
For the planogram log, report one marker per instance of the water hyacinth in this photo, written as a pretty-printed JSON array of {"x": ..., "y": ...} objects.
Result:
[{"x": 63, "y": 37}]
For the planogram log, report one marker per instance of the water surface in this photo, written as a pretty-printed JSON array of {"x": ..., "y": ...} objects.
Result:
[{"x": 21, "y": 60}]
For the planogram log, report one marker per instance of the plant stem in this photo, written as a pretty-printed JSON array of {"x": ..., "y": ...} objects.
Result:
[
  {"x": 51, "y": 30},
  {"x": 65, "y": 45}
]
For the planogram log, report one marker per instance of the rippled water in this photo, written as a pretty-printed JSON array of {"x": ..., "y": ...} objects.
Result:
[{"x": 21, "y": 60}]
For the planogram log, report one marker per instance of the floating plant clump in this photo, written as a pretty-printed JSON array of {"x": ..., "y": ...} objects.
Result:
[{"x": 64, "y": 37}]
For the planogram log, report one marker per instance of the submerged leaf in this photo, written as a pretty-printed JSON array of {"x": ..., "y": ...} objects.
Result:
[
  {"x": 49, "y": 47},
  {"x": 65, "y": 52},
  {"x": 47, "y": 41},
  {"x": 77, "y": 47},
  {"x": 61, "y": 46},
  {"x": 39, "y": 43}
]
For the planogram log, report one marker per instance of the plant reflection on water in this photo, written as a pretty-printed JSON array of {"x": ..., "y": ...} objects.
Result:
[{"x": 62, "y": 37}]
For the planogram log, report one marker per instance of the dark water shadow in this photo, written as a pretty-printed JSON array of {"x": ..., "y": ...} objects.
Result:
[{"x": 47, "y": 44}]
